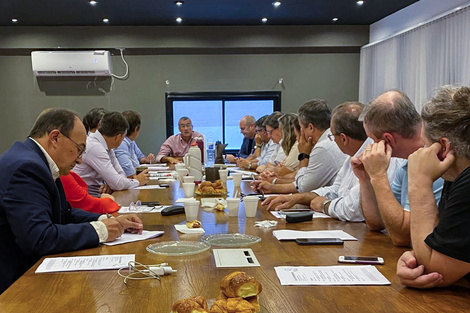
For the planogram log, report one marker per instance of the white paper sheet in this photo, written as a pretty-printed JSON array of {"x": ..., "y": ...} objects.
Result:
[
  {"x": 235, "y": 258},
  {"x": 85, "y": 263},
  {"x": 346, "y": 275},
  {"x": 153, "y": 165},
  {"x": 157, "y": 168},
  {"x": 128, "y": 237},
  {"x": 286, "y": 234}
]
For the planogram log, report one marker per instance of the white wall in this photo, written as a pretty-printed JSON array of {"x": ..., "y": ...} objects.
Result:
[{"x": 410, "y": 16}]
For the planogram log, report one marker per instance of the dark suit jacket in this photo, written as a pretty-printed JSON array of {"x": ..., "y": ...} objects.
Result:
[
  {"x": 35, "y": 218},
  {"x": 246, "y": 148}
]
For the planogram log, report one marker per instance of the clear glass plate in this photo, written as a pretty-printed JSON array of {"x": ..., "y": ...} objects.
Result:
[
  {"x": 178, "y": 248},
  {"x": 231, "y": 240}
]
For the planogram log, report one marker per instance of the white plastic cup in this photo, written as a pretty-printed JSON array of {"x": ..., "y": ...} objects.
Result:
[
  {"x": 179, "y": 166},
  {"x": 232, "y": 205},
  {"x": 188, "y": 189},
  {"x": 191, "y": 209},
  {"x": 223, "y": 175},
  {"x": 251, "y": 205},
  {"x": 237, "y": 179},
  {"x": 188, "y": 179},
  {"x": 181, "y": 173}
]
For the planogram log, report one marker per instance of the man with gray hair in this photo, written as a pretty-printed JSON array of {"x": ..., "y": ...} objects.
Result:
[
  {"x": 35, "y": 216},
  {"x": 392, "y": 121}
]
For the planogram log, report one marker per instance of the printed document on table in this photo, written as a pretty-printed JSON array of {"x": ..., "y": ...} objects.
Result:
[
  {"x": 286, "y": 234},
  {"x": 345, "y": 275},
  {"x": 85, "y": 263},
  {"x": 128, "y": 237},
  {"x": 149, "y": 187}
]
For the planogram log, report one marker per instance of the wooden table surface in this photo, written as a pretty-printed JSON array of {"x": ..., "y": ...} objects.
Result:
[{"x": 105, "y": 291}]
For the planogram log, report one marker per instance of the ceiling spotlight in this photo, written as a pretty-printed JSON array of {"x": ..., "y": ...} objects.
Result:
[
  {"x": 179, "y": 3},
  {"x": 276, "y": 3},
  {"x": 335, "y": 19},
  {"x": 179, "y": 20},
  {"x": 264, "y": 20},
  {"x": 360, "y": 2},
  {"x": 14, "y": 20},
  {"x": 105, "y": 20},
  {"x": 92, "y": 2}
]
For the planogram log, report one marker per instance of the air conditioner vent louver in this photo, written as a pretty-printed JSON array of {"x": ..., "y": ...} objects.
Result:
[{"x": 71, "y": 63}]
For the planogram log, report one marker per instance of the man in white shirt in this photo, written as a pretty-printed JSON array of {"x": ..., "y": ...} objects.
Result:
[
  {"x": 342, "y": 199},
  {"x": 319, "y": 158},
  {"x": 99, "y": 163}
]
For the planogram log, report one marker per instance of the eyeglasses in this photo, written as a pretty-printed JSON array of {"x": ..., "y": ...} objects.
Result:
[
  {"x": 332, "y": 136},
  {"x": 259, "y": 130},
  {"x": 270, "y": 131},
  {"x": 81, "y": 149},
  {"x": 185, "y": 125}
]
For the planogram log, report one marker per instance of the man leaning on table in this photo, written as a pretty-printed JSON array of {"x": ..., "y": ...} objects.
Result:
[
  {"x": 247, "y": 129},
  {"x": 439, "y": 233},
  {"x": 319, "y": 158},
  {"x": 340, "y": 200},
  {"x": 128, "y": 153},
  {"x": 392, "y": 121},
  {"x": 35, "y": 218},
  {"x": 178, "y": 145},
  {"x": 100, "y": 165},
  {"x": 263, "y": 149}
]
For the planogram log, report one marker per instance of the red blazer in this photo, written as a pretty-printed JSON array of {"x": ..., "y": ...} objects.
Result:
[{"x": 76, "y": 191}]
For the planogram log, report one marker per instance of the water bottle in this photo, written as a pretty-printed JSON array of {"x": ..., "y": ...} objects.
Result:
[{"x": 210, "y": 153}]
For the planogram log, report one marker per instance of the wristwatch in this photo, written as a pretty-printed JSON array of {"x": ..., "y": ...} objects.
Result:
[
  {"x": 323, "y": 205},
  {"x": 303, "y": 156}
]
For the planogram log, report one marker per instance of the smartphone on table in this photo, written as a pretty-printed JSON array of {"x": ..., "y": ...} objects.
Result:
[
  {"x": 361, "y": 259},
  {"x": 319, "y": 241}
]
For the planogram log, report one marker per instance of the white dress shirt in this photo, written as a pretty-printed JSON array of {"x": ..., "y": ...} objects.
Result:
[
  {"x": 100, "y": 165},
  {"x": 345, "y": 193},
  {"x": 325, "y": 161}
]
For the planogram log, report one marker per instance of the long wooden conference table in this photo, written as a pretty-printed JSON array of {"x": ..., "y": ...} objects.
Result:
[{"x": 105, "y": 291}]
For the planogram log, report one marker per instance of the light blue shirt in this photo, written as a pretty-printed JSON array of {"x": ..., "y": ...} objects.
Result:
[
  {"x": 267, "y": 150},
  {"x": 400, "y": 187},
  {"x": 128, "y": 155}
]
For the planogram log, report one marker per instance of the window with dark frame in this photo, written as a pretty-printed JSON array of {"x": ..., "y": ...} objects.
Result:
[{"x": 216, "y": 115}]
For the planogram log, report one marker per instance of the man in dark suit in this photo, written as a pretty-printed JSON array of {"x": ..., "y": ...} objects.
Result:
[{"x": 35, "y": 218}]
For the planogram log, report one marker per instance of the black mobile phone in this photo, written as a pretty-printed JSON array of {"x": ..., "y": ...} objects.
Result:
[
  {"x": 165, "y": 185},
  {"x": 150, "y": 203},
  {"x": 319, "y": 241}
]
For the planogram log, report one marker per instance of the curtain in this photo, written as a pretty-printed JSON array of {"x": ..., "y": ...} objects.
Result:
[{"x": 420, "y": 60}]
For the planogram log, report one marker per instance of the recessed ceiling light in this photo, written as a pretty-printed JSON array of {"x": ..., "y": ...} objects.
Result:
[
  {"x": 276, "y": 3},
  {"x": 335, "y": 19},
  {"x": 105, "y": 20},
  {"x": 360, "y": 2},
  {"x": 179, "y": 20},
  {"x": 264, "y": 19},
  {"x": 14, "y": 20},
  {"x": 179, "y": 3},
  {"x": 92, "y": 2}
]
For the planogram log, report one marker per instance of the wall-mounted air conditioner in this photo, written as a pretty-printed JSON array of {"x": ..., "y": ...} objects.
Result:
[{"x": 71, "y": 63}]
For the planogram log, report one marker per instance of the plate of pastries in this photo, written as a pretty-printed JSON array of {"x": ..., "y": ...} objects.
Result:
[
  {"x": 207, "y": 188},
  {"x": 239, "y": 293}
]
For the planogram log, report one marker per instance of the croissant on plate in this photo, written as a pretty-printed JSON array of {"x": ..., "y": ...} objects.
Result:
[{"x": 191, "y": 305}]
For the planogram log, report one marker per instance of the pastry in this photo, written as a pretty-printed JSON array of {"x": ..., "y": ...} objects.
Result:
[
  {"x": 232, "y": 305},
  {"x": 240, "y": 284},
  {"x": 194, "y": 224},
  {"x": 191, "y": 305},
  {"x": 219, "y": 207}
]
